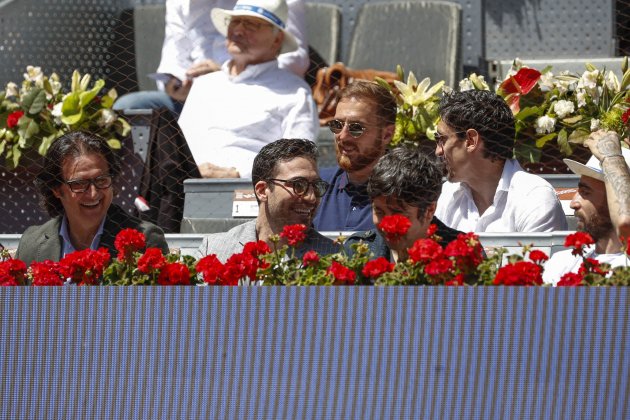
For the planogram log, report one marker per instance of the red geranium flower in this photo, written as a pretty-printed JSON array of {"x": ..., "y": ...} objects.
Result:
[
  {"x": 538, "y": 256},
  {"x": 12, "y": 273},
  {"x": 570, "y": 280},
  {"x": 518, "y": 85},
  {"x": 521, "y": 273},
  {"x": 625, "y": 117},
  {"x": 425, "y": 250},
  {"x": 294, "y": 234},
  {"x": 151, "y": 261},
  {"x": 394, "y": 226},
  {"x": 84, "y": 267},
  {"x": 255, "y": 250},
  {"x": 174, "y": 274},
  {"x": 438, "y": 267},
  {"x": 46, "y": 273},
  {"x": 311, "y": 258},
  {"x": 431, "y": 230},
  {"x": 14, "y": 118},
  {"x": 458, "y": 280},
  {"x": 341, "y": 273},
  {"x": 375, "y": 268},
  {"x": 211, "y": 268},
  {"x": 127, "y": 242},
  {"x": 578, "y": 241},
  {"x": 239, "y": 266}
]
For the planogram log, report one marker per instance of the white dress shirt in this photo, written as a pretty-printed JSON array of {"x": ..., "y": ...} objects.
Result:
[
  {"x": 523, "y": 202},
  {"x": 227, "y": 119},
  {"x": 190, "y": 36},
  {"x": 563, "y": 262}
]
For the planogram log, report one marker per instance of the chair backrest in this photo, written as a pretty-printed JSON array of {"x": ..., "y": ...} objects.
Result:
[
  {"x": 149, "y": 22},
  {"x": 323, "y": 28},
  {"x": 421, "y": 36}
]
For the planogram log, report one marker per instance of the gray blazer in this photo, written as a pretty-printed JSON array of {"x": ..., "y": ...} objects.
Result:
[
  {"x": 226, "y": 244},
  {"x": 39, "y": 243}
]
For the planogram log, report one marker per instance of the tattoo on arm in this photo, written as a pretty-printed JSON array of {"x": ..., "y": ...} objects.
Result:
[{"x": 618, "y": 176}]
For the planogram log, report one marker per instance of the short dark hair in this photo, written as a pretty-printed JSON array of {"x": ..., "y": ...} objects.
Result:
[
  {"x": 407, "y": 174},
  {"x": 70, "y": 145},
  {"x": 280, "y": 150},
  {"x": 378, "y": 95},
  {"x": 486, "y": 112}
]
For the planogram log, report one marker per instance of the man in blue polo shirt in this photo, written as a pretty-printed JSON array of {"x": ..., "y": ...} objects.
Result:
[{"x": 363, "y": 126}]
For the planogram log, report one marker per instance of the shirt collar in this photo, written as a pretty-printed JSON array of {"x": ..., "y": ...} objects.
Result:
[
  {"x": 251, "y": 71},
  {"x": 509, "y": 169},
  {"x": 67, "y": 246}
]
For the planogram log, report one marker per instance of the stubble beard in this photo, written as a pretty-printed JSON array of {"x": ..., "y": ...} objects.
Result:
[{"x": 366, "y": 159}]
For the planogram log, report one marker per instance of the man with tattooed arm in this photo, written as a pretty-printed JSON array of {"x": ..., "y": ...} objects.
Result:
[{"x": 601, "y": 205}]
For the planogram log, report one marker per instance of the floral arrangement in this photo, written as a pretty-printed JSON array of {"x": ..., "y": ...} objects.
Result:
[
  {"x": 37, "y": 112},
  {"x": 548, "y": 107},
  {"x": 461, "y": 262}
]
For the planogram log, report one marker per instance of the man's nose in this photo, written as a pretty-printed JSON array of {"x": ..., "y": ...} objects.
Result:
[{"x": 575, "y": 201}]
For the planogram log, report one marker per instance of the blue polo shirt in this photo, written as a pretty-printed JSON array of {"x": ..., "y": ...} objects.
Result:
[{"x": 345, "y": 206}]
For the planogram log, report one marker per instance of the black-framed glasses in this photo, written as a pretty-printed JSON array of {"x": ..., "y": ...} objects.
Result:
[
  {"x": 248, "y": 24},
  {"x": 354, "y": 128},
  {"x": 301, "y": 185},
  {"x": 441, "y": 138},
  {"x": 82, "y": 185}
]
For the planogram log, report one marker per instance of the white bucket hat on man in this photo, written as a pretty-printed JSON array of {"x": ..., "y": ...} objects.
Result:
[
  {"x": 593, "y": 167},
  {"x": 275, "y": 12}
]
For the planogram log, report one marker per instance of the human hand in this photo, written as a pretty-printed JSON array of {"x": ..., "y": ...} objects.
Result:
[
  {"x": 201, "y": 68},
  {"x": 209, "y": 170},
  {"x": 178, "y": 89},
  {"x": 603, "y": 144}
]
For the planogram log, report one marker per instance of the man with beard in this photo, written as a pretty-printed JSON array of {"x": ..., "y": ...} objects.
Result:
[
  {"x": 487, "y": 190},
  {"x": 363, "y": 127},
  {"x": 601, "y": 205},
  {"x": 230, "y": 114},
  {"x": 288, "y": 189}
]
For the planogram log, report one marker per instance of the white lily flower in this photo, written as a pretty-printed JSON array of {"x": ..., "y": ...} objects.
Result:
[
  {"x": 34, "y": 74},
  {"x": 12, "y": 90},
  {"x": 612, "y": 82},
  {"x": 107, "y": 118},
  {"x": 595, "y": 124},
  {"x": 416, "y": 94},
  {"x": 465, "y": 84}
]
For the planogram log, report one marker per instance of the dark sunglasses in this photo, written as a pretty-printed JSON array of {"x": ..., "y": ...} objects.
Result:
[
  {"x": 355, "y": 129},
  {"x": 301, "y": 185},
  {"x": 81, "y": 185}
]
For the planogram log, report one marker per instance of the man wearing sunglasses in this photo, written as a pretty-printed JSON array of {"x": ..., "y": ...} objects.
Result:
[
  {"x": 487, "y": 190},
  {"x": 363, "y": 127},
  {"x": 230, "y": 114},
  {"x": 288, "y": 189}
]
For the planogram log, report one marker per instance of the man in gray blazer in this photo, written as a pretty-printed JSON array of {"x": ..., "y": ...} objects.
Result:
[{"x": 288, "y": 190}]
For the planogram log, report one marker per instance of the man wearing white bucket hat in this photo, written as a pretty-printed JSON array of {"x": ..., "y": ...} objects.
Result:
[
  {"x": 231, "y": 114},
  {"x": 193, "y": 47},
  {"x": 601, "y": 205}
]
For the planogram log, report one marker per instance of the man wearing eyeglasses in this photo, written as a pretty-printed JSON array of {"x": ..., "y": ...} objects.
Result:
[
  {"x": 363, "y": 127},
  {"x": 231, "y": 114},
  {"x": 76, "y": 188},
  {"x": 487, "y": 190},
  {"x": 288, "y": 190}
]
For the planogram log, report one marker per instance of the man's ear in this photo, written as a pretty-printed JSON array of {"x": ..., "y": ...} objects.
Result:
[
  {"x": 277, "y": 43},
  {"x": 429, "y": 212},
  {"x": 260, "y": 189},
  {"x": 473, "y": 140},
  {"x": 57, "y": 192},
  {"x": 388, "y": 133}
]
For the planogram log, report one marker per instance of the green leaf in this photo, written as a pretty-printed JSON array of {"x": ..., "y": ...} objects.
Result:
[
  {"x": 572, "y": 120},
  {"x": 71, "y": 104},
  {"x": 540, "y": 142},
  {"x": 590, "y": 67},
  {"x": 3, "y": 145},
  {"x": 527, "y": 152},
  {"x": 579, "y": 136},
  {"x": 87, "y": 97},
  {"x": 114, "y": 144},
  {"x": 15, "y": 159},
  {"x": 383, "y": 83},
  {"x": 45, "y": 144},
  {"x": 563, "y": 144},
  {"x": 34, "y": 101},
  {"x": 525, "y": 113},
  {"x": 27, "y": 127},
  {"x": 72, "y": 119}
]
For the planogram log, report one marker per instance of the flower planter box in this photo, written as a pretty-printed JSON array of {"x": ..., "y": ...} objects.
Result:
[{"x": 314, "y": 352}]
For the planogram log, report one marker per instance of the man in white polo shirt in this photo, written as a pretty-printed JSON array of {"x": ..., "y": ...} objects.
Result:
[{"x": 601, "y": 205}]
